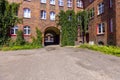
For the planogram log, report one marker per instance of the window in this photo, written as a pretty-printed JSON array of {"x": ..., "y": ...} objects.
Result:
[
  {"x": 100, "y": 8},
  {"x": 70, "y": 17},
  {"x": 79, "y": 3},
  {"x": 43, "y": 14},
  {"x": 101, "y": 28},
  {"x": 27, "y": 30},
  {"x": 69, "y": 3},
  {"x": 111, "y": 25},
  {"x": 52, "y": 2},
  {"x": 90, "y": 0},
  {"x": 27, "y": 13},
  {"x": 14, "y": 30},
  {"x": 111, "y": 3},
  {"x": 60, "y": 3},
  {"x": 43, "y": 1},
  {"x": 92, "y": 13},
  {"x": 52, "y": 15}
]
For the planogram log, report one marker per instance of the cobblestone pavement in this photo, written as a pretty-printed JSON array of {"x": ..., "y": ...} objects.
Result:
[{"x": 58, "y": 63}]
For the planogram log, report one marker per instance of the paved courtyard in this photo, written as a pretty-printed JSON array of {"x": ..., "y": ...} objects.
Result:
[{"x": 57, "y": 63}]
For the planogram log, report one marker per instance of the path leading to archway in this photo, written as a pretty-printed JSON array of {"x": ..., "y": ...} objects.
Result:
[{"x": 56, "y": 63}]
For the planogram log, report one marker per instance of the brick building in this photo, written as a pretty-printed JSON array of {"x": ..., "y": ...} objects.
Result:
[
  {"x": 41, "y": 14},
  {"x": 104, "y": 24}
]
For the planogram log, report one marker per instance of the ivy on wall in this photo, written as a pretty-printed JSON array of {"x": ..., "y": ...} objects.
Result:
[
  {"x": 69, "y": 22},
  {"x": 8, "y": 18}
]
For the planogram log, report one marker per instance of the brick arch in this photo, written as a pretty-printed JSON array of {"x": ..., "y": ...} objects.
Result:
[{"x": 54, "y": 39}]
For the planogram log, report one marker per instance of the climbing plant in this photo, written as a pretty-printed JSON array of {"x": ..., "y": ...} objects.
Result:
[
  {"x": 8, "y": 18},
  {"x": 67, "y": 21},
  {"x": 82, "y": 21}
]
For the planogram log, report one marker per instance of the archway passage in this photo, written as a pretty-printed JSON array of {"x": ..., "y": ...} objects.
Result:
[{"x": 52, "y": 36}]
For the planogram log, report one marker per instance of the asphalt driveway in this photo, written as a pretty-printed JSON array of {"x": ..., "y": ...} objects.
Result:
[{"x": 58, "y": 63}]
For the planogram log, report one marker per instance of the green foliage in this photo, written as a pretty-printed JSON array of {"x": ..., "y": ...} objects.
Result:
[
  {"x": 83, "y": 22},
  {"x": 8, "y": 19},
  {"x": 67, "y": 21},
  {"x": 20, "y": 38},
  {"x": 112, "y": 50},
  {"x": 38, "y": 39},
  {"x": 22, "y": 47}
]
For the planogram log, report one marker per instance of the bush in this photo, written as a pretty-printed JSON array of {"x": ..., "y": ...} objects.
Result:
[
  {"x": 112, "y": 50},
  {"x": 20, "y": 39},
  {"x": 38, "y": 40}
]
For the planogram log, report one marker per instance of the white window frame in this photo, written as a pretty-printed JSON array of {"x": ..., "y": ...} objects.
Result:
[
  {"x": 27, "y": 13},
  {"x": 69, "y": 3},
  {"x": 111, "y": 3},
  {"x": 100, "y": 8},
  {"x": 27, "y": 30},
  {"x": 52, "y": 2},
  {"x": 101, "y": 28},
  {"x": 14, "y": 29},
  {"x": 43, "y": 1},
  {"x": 52, "y": 15},
  {"x": 43, "y": 14},
  {"x": 79, "y": 3},
  {"x": 60, "y": 3}
]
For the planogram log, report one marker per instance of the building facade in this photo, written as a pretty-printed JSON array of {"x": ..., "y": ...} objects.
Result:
[
  {"x": 103, "y": 27},
  {"x": 104, "y": 24},
  {"x": 42, "y": 14}
]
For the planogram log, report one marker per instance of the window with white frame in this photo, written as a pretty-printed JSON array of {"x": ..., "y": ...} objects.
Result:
[
  {"x": 52, "y": 15},
  {"x": 26, "y": 30},
  {"x": 79, "y": 3},
  {"x": 60, "y": 3},
  {"x": 14, "y": 30},
  {"x": 69, "y": 3},
  {"x": 43, "y": 1},
  {"x": 111, "y": 3},
  {"x": 101, "y": 28},
  {"x": 52, "y": 2},
  {"x": 100, "y": 8},
  {"x": 27, "y": 13},
  {"x": 43, "y": 14},
  {"x": 111, "y": 25}
]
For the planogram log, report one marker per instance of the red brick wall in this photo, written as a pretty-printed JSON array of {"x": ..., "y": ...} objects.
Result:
[{"x": 35, "y": 6}]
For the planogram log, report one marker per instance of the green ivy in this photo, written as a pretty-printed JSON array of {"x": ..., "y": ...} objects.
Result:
[{"x": 8, "y": 19}]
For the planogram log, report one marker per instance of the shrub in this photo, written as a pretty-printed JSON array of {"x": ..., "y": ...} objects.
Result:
[
  {"x": 112, "y": 50},
  {"x": 38, "y": 40},
  {"x": 20, "y": 39}
]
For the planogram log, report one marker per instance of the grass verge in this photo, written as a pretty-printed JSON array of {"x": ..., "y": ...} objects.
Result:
[
  {"x": 24, "y": 47},
  {"x": 111, "y": 50}
]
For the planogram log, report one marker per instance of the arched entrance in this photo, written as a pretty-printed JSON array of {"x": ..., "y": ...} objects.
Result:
[{"x": 51, "y": 36}]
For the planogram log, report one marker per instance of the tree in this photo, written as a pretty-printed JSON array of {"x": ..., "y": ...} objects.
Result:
[
  {"x": 8, "y": 18},
  {"x": 67, "y": 21},
  {"x": 83, "y": 19}
]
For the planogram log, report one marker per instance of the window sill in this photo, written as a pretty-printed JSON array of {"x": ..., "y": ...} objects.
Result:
[
  {"x": 52, "y": 4},
  {"x": 80, "y": 7},
  {"x": 100, "y": 34},
  {"x": 27, "y": 17},
  {"x": 27, "y": 35},
  {"x": 43, "y": 19},
  {"x": 13, "y": 34},
  {"x": 100, "y": 14},
  {"x": 43, "y": 2}
]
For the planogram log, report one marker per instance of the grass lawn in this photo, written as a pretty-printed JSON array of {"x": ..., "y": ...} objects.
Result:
[
  {"x": 23, "y": 47},
  {"x": 111, "y": 50}
]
